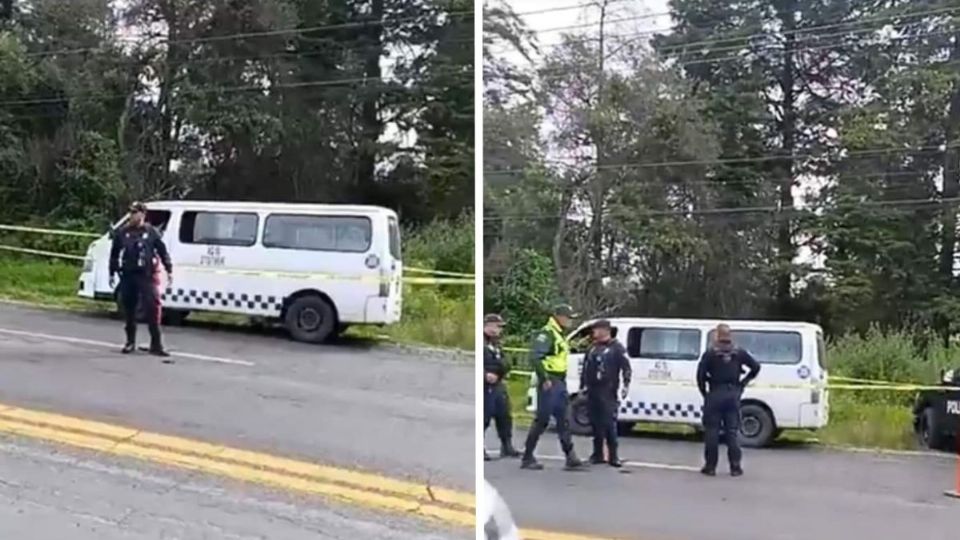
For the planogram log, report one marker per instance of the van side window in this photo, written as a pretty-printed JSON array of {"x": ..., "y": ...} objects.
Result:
[
  {"x": 351, "y": 234},
  {"x": 664, "y": 343},
  {"x": 219, "y": 228},
  {"x": 159, "y": 219},
  {"x": 768, "y": 346}
]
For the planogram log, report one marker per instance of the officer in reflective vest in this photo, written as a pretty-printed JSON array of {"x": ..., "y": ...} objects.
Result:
[{"x": 549, "y": 355}]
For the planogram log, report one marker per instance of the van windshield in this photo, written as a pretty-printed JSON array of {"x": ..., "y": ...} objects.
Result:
[{"x": 768, "y": 346}]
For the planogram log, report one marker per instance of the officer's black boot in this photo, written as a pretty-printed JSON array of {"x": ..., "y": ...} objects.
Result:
[
  {"x": 573, "y": 463},
  {"x": 507, "y": 450},
  {"x": 614, "y": 458},
  {"x": 596, "y": 458},
  {"x": 131, "y": 331},
  {"x": 530, "y": 463},
  {"x": 736, "y": 470}
]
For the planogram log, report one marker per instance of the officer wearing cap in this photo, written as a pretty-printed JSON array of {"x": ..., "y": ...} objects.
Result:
[
  {"x": 136, "y": 248},
  {"x": 496, "y": 401},
  {"x": 549, "y": 355},
  {"x": 604, "y": 365},
  {"x": 719, "y": 380}
]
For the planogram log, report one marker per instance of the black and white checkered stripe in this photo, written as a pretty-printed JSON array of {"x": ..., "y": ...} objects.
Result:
[
  {"x": 192, "y": 297},
  {"x": 662, "y": 410}
]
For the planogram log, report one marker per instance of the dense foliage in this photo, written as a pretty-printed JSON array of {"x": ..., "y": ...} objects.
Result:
[
  {"x": 366, "y": 101},
  {"x": 792, "y": 159}
]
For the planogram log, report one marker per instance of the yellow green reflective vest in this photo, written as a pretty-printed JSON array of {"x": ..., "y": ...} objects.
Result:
[{"x": 556, "y": 362}]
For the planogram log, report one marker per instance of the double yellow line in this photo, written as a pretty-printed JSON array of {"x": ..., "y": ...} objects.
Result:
[
  {"x": 368, "y": 490},
  {"x": 358, "y": 488}
]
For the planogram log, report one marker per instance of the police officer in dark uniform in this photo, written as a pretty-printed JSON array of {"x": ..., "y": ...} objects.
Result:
[
  {"x": 496, "y": 401},
  {"x": 549, "y": 356},
  {"x": 135, "y": 248},
  {"x": 603, "y": 366},
  {"x": 721, "y": 382}
]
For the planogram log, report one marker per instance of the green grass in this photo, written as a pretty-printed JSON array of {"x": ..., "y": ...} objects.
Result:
[
  {"x": 432, "y": 316},
  {"x": 853, "y": 422}
]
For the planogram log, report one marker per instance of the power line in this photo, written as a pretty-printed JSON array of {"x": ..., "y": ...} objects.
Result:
[
  {"x": 638, "y": 214},
  {"x": 265, "y": 33},
  {"x": 739, "y": 36},
  {"x": 214, "y": 89},
  {"x": 730, "y": 161},
  {"x": 584, "y": 5}
]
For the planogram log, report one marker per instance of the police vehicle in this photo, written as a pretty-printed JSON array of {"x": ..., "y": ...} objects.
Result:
[
  {"x": 790, "y": 392},
  {"x": 316, "y": 268},
  {"x": 936, "y": 414}
]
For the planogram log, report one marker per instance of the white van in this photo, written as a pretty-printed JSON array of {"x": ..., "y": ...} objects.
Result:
[
  {"x": 789, "y": 393},
  {"x": 315, "y": 267}
]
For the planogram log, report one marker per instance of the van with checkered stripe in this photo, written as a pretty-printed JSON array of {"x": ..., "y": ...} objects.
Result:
[
  {"x": 790, "y": 392},
  {"x": 315, "y": 268}
]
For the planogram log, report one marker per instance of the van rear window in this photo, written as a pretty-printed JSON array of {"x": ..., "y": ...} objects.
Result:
[
  {"x": 351, "y": 234},
  {"x": 768, "y": 347}
]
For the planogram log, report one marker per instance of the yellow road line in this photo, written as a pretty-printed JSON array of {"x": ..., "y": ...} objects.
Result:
[
  {"x": 533, "y": 534},
  {"x": 363, "y": 489}
]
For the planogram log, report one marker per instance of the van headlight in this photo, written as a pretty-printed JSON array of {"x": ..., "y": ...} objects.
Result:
[{"x": 88, "y": 265}]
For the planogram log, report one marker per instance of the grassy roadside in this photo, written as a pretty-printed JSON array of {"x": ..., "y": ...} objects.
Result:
[
  {"x": 852, "y": 422},
  {"x": 430, "y": 318}
]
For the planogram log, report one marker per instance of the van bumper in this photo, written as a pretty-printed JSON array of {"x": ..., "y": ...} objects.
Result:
[
  {"x": 812, "y": 416},
  {"x": 85, "y": 286},
  {"x": 377, "y": 311}
]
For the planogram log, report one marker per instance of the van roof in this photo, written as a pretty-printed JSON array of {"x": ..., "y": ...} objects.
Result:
[
  {"x": 734, "y": 323},
  {"x": 269, "y": 207}
]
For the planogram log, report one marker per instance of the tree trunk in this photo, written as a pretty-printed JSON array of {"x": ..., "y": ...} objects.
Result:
[
  {"x": 785, "y": 248},
  {"x": 951, "y": 179},
  {"x": 370, "y": 110}
]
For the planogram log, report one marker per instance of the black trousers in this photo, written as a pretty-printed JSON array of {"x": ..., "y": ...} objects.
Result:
[
  {"x": 603, "y": 418},
  {"x": 496, "y": 407},
  {"x": 550, "y": 403},
  {"x": 138, "y": 289},
  {"x": 721, "y": 408}
]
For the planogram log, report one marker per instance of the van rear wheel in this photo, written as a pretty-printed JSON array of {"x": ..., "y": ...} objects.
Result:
[
  {"x": 310, "y": 319},
  {"x": 757, "y": 428}
]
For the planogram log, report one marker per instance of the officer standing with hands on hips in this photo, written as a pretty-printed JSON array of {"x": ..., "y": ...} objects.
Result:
[
  {"x": 720, "y": 383},
  {"x": 496, "y": 401},
  {"x": 549, "y": 356},
  {"x": 136, "y": 247},
  {"x": 603, "y": 366}
]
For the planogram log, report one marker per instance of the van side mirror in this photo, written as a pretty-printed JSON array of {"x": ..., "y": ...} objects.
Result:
[{"x": 948, "y": 376}]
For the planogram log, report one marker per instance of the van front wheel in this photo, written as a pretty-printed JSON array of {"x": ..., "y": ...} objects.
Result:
[
  {"x": 578, "y": 416},
  {"x": 310, "y": 319}
]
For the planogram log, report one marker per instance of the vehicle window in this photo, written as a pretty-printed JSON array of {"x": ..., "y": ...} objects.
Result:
[
  {"x": 580, "y": 342},
  {"x": 396, "y": 250},
  {"x": 768, "y": 347},
  {"x": 821, "y": 351},
  {"x": 664, "y": 343},
  {"x": 318, "y": 233},
  {"x": 219, "y": 228},
  {"x": 159, "y": 219}
]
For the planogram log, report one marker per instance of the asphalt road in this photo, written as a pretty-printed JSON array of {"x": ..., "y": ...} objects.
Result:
[
  {"x": 403, "y": 415},
  {"x": 49, "y": 493},
  {"x": 787, "y": 493}
]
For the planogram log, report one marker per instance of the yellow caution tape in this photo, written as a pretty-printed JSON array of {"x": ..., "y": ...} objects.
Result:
[
  {"x": 42, "y": 253},
  {"x": 60, "y": 232},
  {"x": 327, "y": 276},
  {"x": 809, "y": 386},
  {"x": 416, "y": 270}
]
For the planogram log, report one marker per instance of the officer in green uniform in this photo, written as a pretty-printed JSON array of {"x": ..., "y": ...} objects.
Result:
[{"x": 549, "y": 355}]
